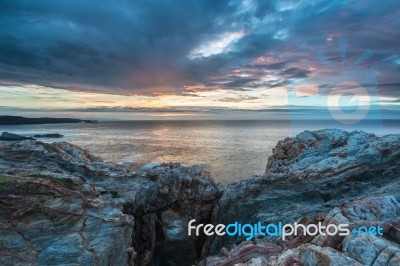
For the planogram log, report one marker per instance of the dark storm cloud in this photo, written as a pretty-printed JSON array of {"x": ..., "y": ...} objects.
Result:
[
  {"x": 251, "y": 75},
  {"x": 105, "y": 44},
  {"x": 144, "y": 47}
]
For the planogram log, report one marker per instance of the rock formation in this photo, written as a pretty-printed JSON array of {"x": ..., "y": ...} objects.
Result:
[
  {"x": 20, "y": 120},
  {"x": 5, "y": 136},
  {"x": 49, "y": 135},
  {"x": 60, "y": 204},
  {"x": 328, "y": 176}
]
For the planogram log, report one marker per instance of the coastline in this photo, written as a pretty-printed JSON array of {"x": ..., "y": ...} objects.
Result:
[
  {"x": 200, "y": 133},
  {"x": 231, "y": 150},
  {"x": 120, "y": 212},
  {"x": 20, "y": 120}
]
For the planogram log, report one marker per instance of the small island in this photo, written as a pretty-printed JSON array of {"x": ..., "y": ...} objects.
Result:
[
  {"x": 20, "y": 120},
  {"x": 49, "y": 135},
  {"x": 6, "y": 136}
]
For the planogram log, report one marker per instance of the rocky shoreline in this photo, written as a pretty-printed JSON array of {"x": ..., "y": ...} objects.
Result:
[
  {"x": 5, "y": 136},
  {"x": 59, "y": 204},
  {"x": 20, "y": 120}
]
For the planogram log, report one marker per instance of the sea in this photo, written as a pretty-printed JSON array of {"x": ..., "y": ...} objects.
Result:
[{"x": 230, "y": 149}]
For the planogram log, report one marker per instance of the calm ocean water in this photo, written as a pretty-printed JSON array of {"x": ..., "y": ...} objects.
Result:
[{"x": 231, "y": 150}]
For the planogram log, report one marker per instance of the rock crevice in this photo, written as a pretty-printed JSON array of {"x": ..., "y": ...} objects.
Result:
[
  {"x": 105, "y": 215},
  {"x": 327, "y": 176}
]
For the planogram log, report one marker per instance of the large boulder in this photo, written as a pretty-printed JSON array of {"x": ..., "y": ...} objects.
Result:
[
  {"x": 332, "y": 153},
  {"x": 5, "y": 136}
]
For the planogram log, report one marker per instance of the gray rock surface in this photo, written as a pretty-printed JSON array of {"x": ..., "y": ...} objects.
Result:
[
  {"x": 354, "y": 249},
  {"x": 61, "y": 204},
  {"x": 331, "y": 153},
  {"x": 328, "y": 176},
  {"x": 5, "y": 136},
  {"x": 316, "y": 255},
  {"x": 43, "y": 223},
  {"x": 371, "y": 250}
]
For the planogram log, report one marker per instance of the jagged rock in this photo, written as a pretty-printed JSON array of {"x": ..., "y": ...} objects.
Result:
[
  {"x": 5, "y": 136},
  {"x": 331, "y": 153},
  {"x": 244, "y": 252},
  {"x": 353, "y": 249},
  {"x": 20, "y": 120},
  {"x": 371, "y": 209},
  {"x": 311, "y": 255},
  {"x": 371, "y": 250},
  {"x": 368, "y": 211},
  {"x": 31, "y": 156},
  {"x": 106, "y": 215},
  {"x": 43, "y": 222},
  {"x": 309, "y": 175},
  {"x": 50, "y": 135},
  {"x": 288, "y": 257},
  {"x": 259, "y": 261}
]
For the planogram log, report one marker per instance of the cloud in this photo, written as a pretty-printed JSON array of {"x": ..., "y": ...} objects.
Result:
[
  {"x": 390, "y": 101},
  {"x": 238, "y": 99},
  {"x": 166, "y": 47}
]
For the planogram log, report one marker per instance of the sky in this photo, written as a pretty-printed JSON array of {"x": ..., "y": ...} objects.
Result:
[{"x": 195, "y": 59}]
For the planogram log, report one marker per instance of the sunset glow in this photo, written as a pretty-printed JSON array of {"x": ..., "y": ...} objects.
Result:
[{"x": 244, "y": 55}]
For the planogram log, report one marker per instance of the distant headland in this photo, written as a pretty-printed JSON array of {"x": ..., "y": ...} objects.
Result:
[{"x": 20, "y": 120}]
